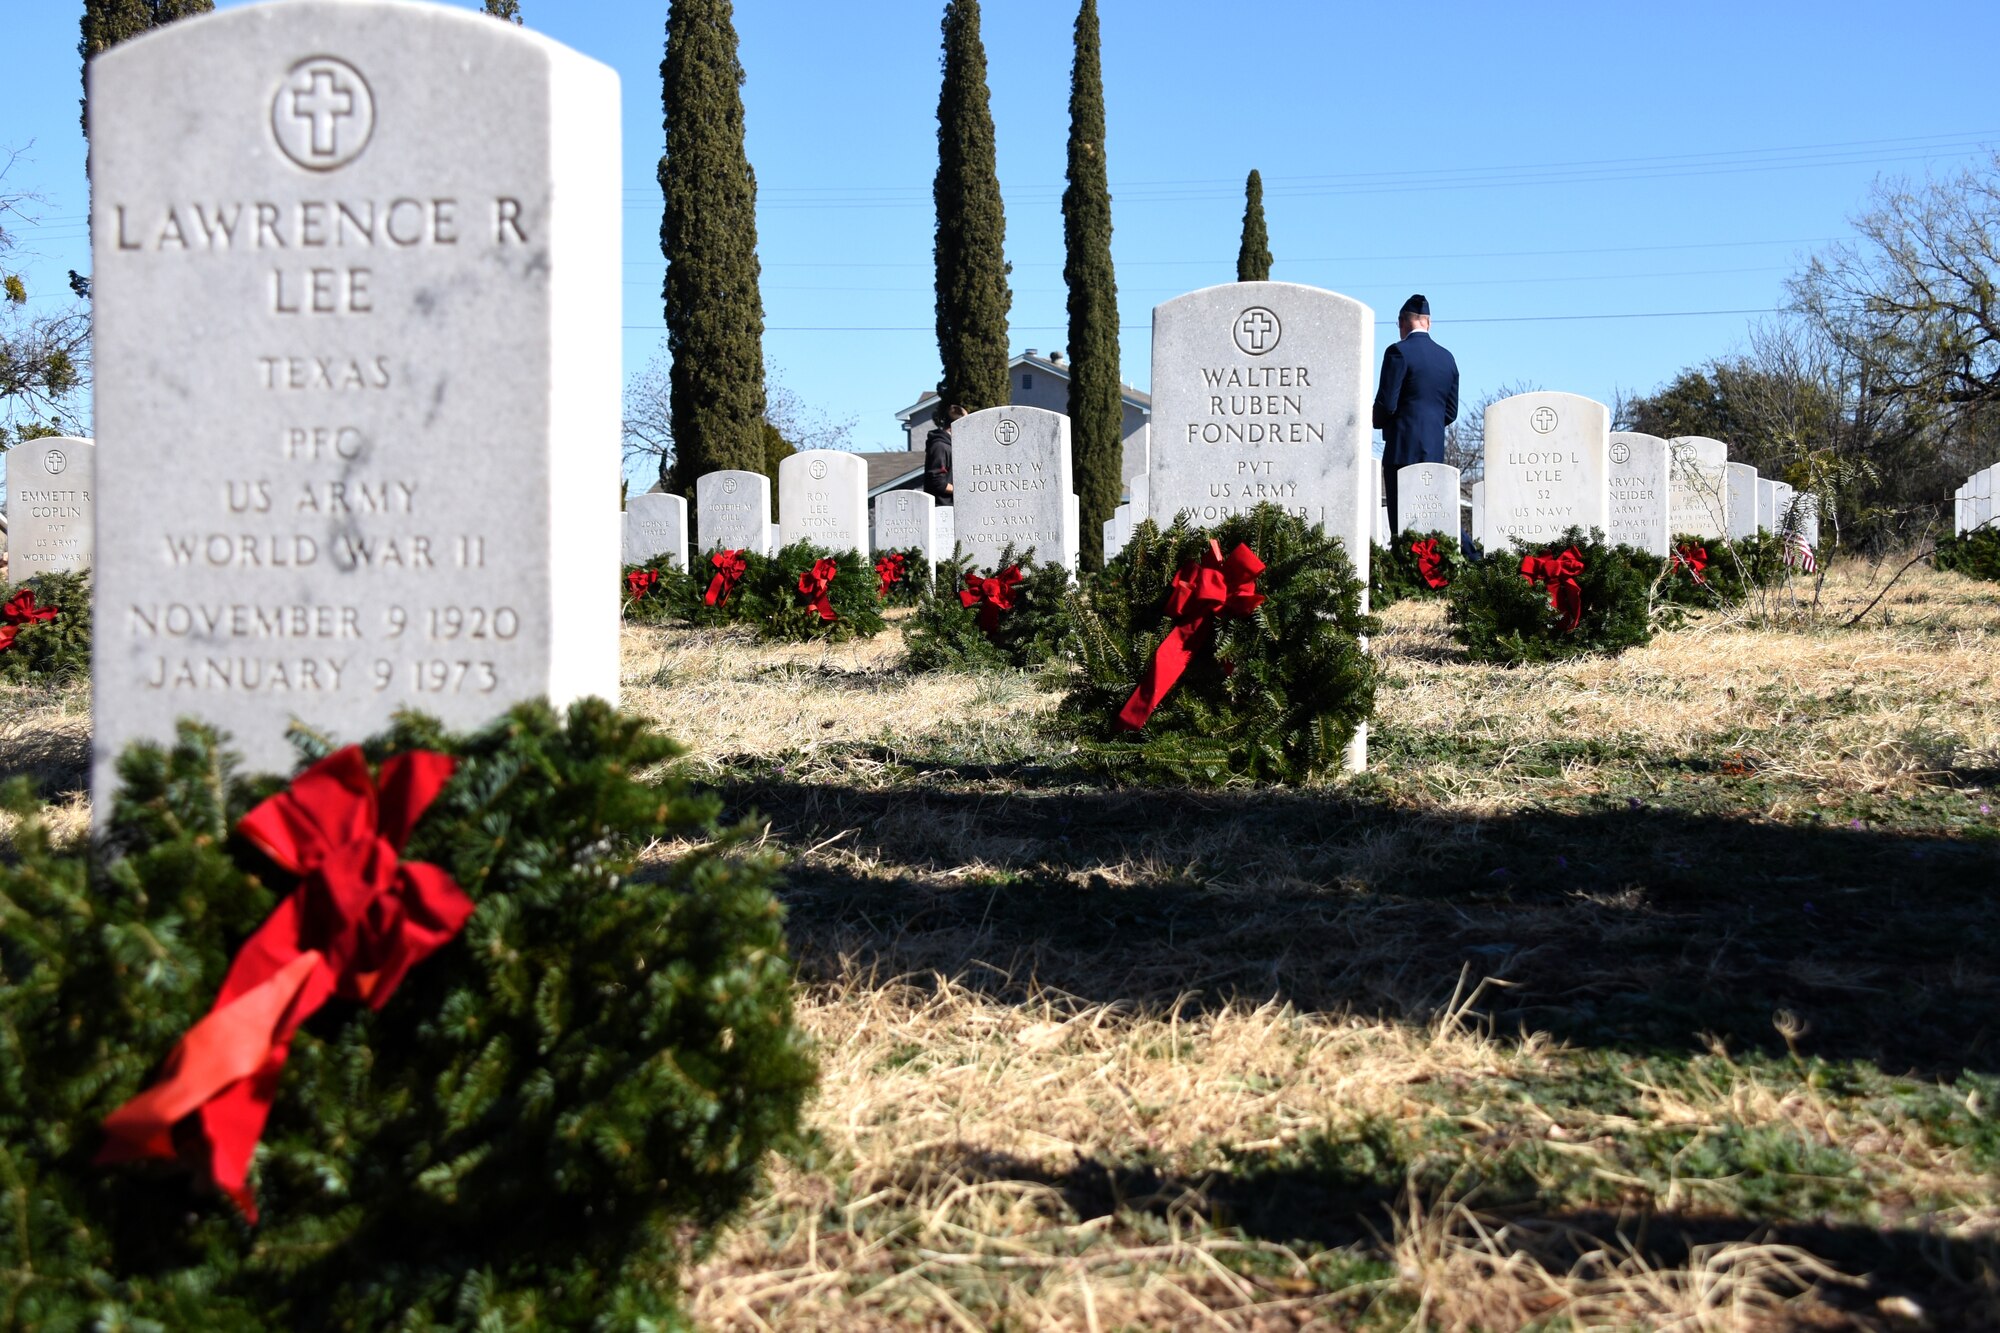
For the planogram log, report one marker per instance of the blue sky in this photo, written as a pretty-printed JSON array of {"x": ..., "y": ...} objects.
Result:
[{"x": 1522, "y": 165}]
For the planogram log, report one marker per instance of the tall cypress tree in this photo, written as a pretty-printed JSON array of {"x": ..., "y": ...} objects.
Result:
[
  {"x": 715, "y": 314},
  {"x": 1253, "y": 257},
  {"x": 972, "y": 268},
  {"x": 109, "y": 22},
  {"x": 1096, "y": 399}
]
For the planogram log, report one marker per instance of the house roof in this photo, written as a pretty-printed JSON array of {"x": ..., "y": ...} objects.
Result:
[
  {"x": 1138, "y": 398},
  {"x": 887, "y": 471}
]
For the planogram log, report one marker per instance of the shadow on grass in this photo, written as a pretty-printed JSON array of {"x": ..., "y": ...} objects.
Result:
[
  {"x": 1353, "y": 1194},
  {"x": 1640, "y": 927}
]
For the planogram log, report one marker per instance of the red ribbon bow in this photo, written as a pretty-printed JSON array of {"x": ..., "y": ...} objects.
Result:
[
  {"x": 991, "y": 594},
  {"x": 20, "y": 612},
  {"x": 358, "y": 921},
  {"x": 1694, "y": 559},
  {"x": 729, "y": 569},
  {"x": 889, "y": 569},
  {"x": 1203, "y": 590},
  {"x": 1558, "y": 574},
  {"x": 814, "y": 585},
  {"x": 1430, "y": 562},
  {"x": 640, "y": 582}
]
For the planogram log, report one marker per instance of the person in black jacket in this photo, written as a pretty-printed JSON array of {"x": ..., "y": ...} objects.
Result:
[
  {"x": 1416, "y": 400},
  {"x": 937, "y": 452}
]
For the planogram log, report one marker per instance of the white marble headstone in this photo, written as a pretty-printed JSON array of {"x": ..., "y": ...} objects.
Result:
[
  {"x": 355, "y": 315},
  {"x": 1767, "y": 505},
  {"x": 1740, "y": 497},
  {"x": 1639, "y": 492},
  {"x": 51, "y": 505},
  {"x": 1139, "y": 493},
  {"x": 823, "y": 499},
  {"x": 732, "y": 511},
  {"x": 1782, "y": 495},
  {"x": 1698, "y": 487},
  {"x": 904, "y": 521},
  {"x": 1427, "y": 499},
  {"x": 1806, "y": 506},
  {"x": 1010, "y": 476},
  {"x": 1548, "y": 461},
  {"x": 656, "y": 524},
  {"x": 1983, "y": 483},
  {"x": 1479, "y": 511},
  {"x": 944, "y": 531},
  {"x": 1259, "y": 394}
]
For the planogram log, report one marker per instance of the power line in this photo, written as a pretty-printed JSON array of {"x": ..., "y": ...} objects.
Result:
[{"x": 1134, "y": 328}]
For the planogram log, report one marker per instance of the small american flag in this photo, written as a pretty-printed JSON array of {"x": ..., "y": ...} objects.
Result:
[{"x": 1798, "y": 555}]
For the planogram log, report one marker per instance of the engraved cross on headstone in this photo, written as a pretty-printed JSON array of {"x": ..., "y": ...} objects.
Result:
[
  {"x": 1544, "y": 419},
  {"x": 324, "y": 104},
  {"x": 1255, "y": 326}
]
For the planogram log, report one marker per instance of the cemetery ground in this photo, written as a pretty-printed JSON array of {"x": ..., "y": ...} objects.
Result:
[{"x": 1619, "y": 992}]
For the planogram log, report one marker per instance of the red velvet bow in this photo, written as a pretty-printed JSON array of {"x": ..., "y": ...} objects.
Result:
[
  {"x": 1558, "y": 574},
  {"x": 1203, "y": 590},
  {"x": 358, "y": 920},
  {"x": 1430, "y": 562},
  {"x": 20, "y": 612},
  {"x": 1694, "y": 559},
  {"x": 889, "y": 569},
  {"x": 640, "y": 582},
  {"x": 814, "y": 585},
  {"x": 991, "y": 594},
  {"x": 729, "y": 569}
]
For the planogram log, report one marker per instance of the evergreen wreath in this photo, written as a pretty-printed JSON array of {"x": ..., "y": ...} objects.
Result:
[
  {"x": 1975, "y": 554},
  {"x": 1271, "y": 694},
  {"x": 45, "y": 630},
  {"x": 790, "y": 595},
  {"x": 984, "y": 619},
  {"x": 1416, "y": 564},
  {"x": 654, "y": 592},
  {"x": 912, "y": 579},
  {"x": 1579, "y": 596},
  {"x": 1708, "y": 573},
  {"x": 523, "y": 1135}
]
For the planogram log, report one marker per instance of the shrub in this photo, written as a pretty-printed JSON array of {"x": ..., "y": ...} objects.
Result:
[
  {"x": 950, "y": 633},
  {"x": 590, "y": 1072},
  {"x": 1273, "y": 695},
  {"x": 1975, "y": 554},
  {"x": 654, "y": 592},
  {"x": 1599, "y": 603},
  {"x": 45, "y": 630}
]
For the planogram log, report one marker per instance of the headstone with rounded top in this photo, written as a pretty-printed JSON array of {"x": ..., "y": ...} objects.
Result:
[
  {"x": 823, "y": 499},
  {"x": 51, "y": 506},
  {"x": 1427, "y": 498},
  {"x": 1639, "y": 492},
  {"x": 656, "y": 524},
  {"x": 1548, "y": 467},
  {"x": 1260, "y": 395},
  {"x": 1740, "y": 497},
  {"x": 355, "y": 328},
  {"x": 1698, "y": 487},
  {"x": 904, "y": 522},
  {"x": 944, "y": 531},
  {"x": 1782, "y": 496},
  {"x": 1767, "y": 505},
  {"x": 732, "y": 511},
  {"x": 1010, "y": 476}
]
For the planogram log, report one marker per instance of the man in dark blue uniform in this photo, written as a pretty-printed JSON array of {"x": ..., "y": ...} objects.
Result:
[{"x": 1416, "y": 400}]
